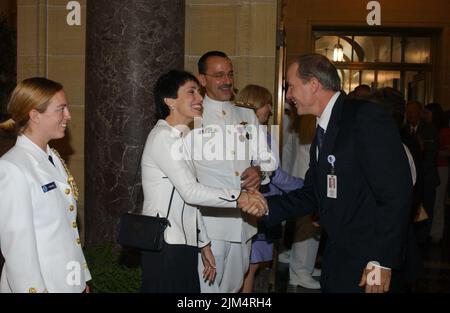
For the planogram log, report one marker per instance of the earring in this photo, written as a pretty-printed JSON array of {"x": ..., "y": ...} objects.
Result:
[{"x": 171, "y": 107}]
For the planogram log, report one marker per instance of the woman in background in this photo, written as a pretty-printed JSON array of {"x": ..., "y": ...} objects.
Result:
[
  {"x": 260, "y": 99},
  {"x": 433, "y": 114}
]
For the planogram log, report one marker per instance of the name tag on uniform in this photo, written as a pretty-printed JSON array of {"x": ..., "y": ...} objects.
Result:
[
  {"x": 332, "y": 186},
  {"x": 48, "y": 187}
]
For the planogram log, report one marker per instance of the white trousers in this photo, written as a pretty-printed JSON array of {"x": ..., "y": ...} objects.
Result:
[
  {"x": 232, "y": 259},
  {"x": 302, "y": 259}
]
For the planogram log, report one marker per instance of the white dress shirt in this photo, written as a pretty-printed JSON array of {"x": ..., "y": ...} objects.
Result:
[{"x": 324, "y": 119}]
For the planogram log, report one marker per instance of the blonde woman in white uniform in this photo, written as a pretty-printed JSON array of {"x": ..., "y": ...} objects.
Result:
[{"x": 38, "y": 232}]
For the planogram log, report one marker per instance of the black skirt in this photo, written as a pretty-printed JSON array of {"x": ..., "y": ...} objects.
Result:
[{"x": 174, "y": 269}]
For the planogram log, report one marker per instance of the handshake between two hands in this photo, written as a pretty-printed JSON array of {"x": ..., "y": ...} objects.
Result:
[{"x": 252, "y": 202}]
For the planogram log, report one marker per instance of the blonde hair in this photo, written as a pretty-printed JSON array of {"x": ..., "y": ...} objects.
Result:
[
  {"x": 254, "y": 96},
  {"x": 32, "y": 93}
]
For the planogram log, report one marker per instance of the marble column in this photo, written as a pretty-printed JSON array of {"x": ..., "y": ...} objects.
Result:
[{"x": 128, "y": 45}]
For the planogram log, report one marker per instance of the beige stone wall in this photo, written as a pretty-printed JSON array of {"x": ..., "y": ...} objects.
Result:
[
  {"x": 47, "y": 46},
  {"x": 244, "y": 29},
  {"x": 302, "y": 15}
]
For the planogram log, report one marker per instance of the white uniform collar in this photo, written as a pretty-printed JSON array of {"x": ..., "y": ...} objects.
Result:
[
  {"x": 42, "y": 159},
  {"x": 214, "y": 105},
  {"x": 324, "y": 119},
  {"x": 24, "y": 141}
]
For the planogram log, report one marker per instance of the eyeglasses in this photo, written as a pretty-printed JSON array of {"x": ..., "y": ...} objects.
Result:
[{"x": 221, "y": 75}]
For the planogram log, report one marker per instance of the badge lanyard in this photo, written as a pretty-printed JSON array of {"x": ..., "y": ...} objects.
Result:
[{"x": 332, "y": 179}]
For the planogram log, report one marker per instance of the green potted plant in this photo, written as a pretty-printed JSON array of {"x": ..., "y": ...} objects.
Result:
[{"x": 110, "y": 272}]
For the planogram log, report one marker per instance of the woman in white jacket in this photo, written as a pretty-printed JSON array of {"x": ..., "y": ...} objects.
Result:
[
  {"x": 168, "y": 173},
  {"x": 38, "y": 231}
]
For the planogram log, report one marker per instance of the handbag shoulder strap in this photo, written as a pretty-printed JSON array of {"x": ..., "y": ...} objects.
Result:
[
  {"x": 136, "y": 175},
  {"x": 170, "y": 202}
]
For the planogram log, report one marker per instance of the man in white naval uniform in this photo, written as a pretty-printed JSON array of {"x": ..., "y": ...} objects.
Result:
[{"x": 230, "y": 231}]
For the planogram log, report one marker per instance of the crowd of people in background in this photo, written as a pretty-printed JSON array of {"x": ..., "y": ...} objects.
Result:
[{"x": 425, "y": 131}]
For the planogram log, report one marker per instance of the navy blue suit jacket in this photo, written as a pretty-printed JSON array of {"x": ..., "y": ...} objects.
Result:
[{"x": 369, "y": 219}]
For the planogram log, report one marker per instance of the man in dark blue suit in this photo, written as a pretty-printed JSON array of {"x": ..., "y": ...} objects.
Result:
[{"x": 359, "y": 181}]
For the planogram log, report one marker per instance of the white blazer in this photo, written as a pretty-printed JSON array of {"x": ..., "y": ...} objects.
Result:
[
  {"x": 219, "y": 125},
  {"x": 166, "y": 163},
  {"x": 38, "y": 232}
]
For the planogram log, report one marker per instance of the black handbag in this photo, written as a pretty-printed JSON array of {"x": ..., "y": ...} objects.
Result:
[{"x": 143, "y": 232}]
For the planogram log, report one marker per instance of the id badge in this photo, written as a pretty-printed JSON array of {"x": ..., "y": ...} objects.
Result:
[{"x": 332, "y": 186}]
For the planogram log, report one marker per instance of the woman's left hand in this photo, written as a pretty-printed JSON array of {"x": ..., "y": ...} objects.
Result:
[{"x": 209, "y": 264}]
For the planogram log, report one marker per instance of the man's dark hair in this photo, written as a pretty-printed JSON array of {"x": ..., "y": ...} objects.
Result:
[
  {"x": 167, "y": 86},
  {"x": 392, "y": 101},
  {"x": 362, "y": 91},
  {"x": 204, "y": 58},
  {"x": 318, "y": 66}
]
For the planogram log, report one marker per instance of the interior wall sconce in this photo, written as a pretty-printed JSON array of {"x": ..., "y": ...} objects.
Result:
[{"x": 338, "y": 52}]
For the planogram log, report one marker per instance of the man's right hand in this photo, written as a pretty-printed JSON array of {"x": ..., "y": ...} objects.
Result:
[{"x": 253, "y": 203}]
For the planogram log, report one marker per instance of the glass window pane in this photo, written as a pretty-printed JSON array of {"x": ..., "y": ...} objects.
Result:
[
  {"x": 355, "y": 79},
  {"x": 415, "y": 86},
  {"x": 375, "y": 48},
  {"x": 325, "y": 45},
  {"x": 368, "y": 78},
  {"x": 397, "y": 50},
  {"x": 388, "y": 79},
  {"x": 418, "y": 50},
  {"x": 344, "y": 75}
]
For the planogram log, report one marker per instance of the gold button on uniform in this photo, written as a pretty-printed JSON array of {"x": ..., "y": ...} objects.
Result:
[
  {"x": 237, "y": 174},
  {"x": 78, "y": 241},
  {"x": 74, "y": 224},
  {"x": 224, "y": 113},
  {"x": 71, "y": 208},
  {"x": 67, "y": 191},
  {"x": 32, "y": 290}
]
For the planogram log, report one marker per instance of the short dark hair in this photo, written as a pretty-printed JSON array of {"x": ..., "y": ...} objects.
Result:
[
  {"x": 392, "y": 101},
  {"x": 204, "y": 58},
  {"x": 362, "y": 91},
  {"x": 167, "y": 86},
  {"x": 318, "y": 66}
]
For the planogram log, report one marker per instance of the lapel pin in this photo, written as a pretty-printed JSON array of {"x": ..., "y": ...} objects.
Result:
[{"x": 331, "y": 159}]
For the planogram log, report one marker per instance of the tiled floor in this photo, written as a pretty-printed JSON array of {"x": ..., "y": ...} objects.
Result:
[{"x": 436, "y": 276}]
